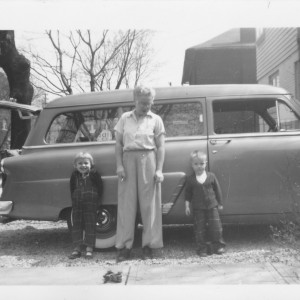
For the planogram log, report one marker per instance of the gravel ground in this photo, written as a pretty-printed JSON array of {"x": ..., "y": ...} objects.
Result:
[{"x": 47, "y": 244}]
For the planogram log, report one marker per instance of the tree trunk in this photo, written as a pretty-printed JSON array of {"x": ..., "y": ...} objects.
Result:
[{"x": 17, "y": 69}]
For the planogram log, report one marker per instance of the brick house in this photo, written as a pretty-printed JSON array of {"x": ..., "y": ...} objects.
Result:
[{"x": 277, "y": 51}]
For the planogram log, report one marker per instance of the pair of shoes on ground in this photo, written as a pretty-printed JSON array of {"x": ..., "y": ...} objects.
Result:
[
  {"x": 76, "y": 254},
  {"x": 123, "y": 254},
  {"x": 147, "y": 253},
  {"x": 112, "y": 277}
]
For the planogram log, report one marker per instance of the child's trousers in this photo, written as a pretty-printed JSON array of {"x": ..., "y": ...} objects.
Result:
[
  {"x": 84, "y": 216},
  {"x": 208, "y": 228}
]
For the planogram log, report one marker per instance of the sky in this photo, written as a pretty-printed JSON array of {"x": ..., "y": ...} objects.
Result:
[
  {"x": 178, "y": 24},
  {"x": 169, "y": 50}
]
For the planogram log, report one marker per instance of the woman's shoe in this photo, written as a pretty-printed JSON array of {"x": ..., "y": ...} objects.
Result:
[
  {"x": 123, "y": 254},
  {"x": 75, "y": 254},
  {"x": 147, "y": 253}
]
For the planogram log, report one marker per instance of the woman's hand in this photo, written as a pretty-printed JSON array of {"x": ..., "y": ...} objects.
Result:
[
  {"x": 187, "y": 208},
  {"x": 158, "y": 177},
  {"x": 121, "y": 173}
]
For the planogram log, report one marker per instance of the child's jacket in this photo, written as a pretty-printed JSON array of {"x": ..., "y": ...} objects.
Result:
[
  {"x": 76, "y": 185},
  {"x": 203, "y": 196}
]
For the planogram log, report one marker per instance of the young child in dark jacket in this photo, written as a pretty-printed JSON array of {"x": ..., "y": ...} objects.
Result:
[
  {"x": 203, "y": 192},
  {"x": 86, "y": 191}
]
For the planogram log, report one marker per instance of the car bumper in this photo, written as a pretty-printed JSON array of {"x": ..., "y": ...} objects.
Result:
[{"x": 5, "y": 207}]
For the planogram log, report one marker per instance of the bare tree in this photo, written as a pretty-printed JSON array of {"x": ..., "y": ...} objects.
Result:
[
  {"x": 55, "y": 75},
  {"x": 139, "y": 64},
  {"x": 92, "y": 61},
  {"x": 133, "y": 62}
]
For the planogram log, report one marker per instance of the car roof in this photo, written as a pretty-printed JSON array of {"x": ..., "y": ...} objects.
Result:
[{"x": 192, "y": 91}]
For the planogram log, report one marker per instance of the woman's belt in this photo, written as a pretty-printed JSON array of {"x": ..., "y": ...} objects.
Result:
[{"x": 135, "y": 150}]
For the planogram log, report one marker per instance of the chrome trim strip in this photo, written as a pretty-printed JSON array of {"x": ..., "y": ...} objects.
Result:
[
  {"x": 188, "y": 138},
  {"x": 245, "y": 135}
]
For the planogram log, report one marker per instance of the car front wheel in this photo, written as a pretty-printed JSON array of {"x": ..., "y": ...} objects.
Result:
[{"x": 106, "y": 226}]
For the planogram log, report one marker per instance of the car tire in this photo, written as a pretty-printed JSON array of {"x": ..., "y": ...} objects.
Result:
[{"x": 106, "y": 226}]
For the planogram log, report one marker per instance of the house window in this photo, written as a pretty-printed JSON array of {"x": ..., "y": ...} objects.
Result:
[{"x": 274, "y": 79}]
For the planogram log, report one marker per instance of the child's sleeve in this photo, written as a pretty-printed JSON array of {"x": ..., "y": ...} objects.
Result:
[
  {"x": 72, "y": 183},
  {"x": 217, "y": 189},
  {"x": 99, "y": 187},
  {"x": 188, "y": 190}
]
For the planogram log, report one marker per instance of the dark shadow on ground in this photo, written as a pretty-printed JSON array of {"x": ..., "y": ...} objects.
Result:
[{"x": 178, "y": 242}]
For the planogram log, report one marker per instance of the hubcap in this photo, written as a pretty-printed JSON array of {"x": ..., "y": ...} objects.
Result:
[{"x": 106, "y": 222}]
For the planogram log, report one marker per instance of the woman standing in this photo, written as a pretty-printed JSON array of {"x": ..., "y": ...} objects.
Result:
[{"x": 140, "y": 151}]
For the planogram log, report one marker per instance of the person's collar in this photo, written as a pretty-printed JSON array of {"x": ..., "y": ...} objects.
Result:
[
  {"x": 132, "y": 114},
  {"x": 203, "y": 174}
]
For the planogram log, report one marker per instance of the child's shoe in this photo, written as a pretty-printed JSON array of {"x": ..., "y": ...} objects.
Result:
[
  {"x": 220, "y": 251},
  {"x": 210, "y": 248},
  {"x": 201, "y": 253},
  {"x": 89, "y": 254},
  {"x": 75, "y": 254}
]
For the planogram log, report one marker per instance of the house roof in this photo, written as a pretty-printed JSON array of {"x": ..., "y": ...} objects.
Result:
[{"x": 231, "y": 37}]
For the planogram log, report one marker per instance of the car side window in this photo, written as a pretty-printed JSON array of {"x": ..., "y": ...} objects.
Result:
[
  {"x": 181, "y": 119},
  {"x": 85, "y": 126},
  {"x": 253, "y": 116},
  {"x": 287, "y": 119}
]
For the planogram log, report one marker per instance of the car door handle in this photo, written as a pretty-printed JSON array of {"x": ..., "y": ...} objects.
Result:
[{"x": 224, "y": 141}]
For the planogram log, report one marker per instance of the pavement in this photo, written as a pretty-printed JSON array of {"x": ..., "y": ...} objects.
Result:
[{"x": 193, "y": 274}]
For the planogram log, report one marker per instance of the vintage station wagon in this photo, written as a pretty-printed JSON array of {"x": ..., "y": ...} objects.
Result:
[{"x": 251, "y": 134}]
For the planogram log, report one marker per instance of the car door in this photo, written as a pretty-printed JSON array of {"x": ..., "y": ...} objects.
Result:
[
  {"x": 186, "y": 130},
  {"x": 254, "y": 149}
]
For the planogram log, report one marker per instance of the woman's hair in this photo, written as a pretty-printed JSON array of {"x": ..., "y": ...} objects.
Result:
[
  {"x": 82, "y": 155},
  {"x": 142, "y": 90},
  {"x": 198, "y": 154}
]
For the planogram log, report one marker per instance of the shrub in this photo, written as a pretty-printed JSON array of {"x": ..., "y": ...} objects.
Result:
[{"x": 287, "y": 233}]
